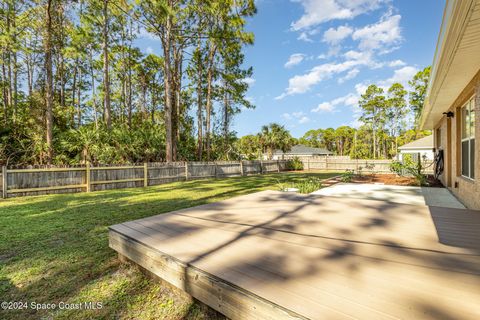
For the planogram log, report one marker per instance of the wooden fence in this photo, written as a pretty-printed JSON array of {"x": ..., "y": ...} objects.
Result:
[
  {"x": 47, "y": 180},
  {"x": 358, "y": 165}
]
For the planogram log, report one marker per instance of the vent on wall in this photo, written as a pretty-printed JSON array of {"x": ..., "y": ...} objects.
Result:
[{"x": 456, "y": 184}]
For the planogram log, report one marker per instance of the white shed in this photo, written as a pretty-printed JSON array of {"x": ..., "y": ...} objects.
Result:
[{"x": 422, "y": 147}]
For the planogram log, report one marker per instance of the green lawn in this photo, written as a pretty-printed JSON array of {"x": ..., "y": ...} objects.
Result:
[{"x": 55, "y": 248}]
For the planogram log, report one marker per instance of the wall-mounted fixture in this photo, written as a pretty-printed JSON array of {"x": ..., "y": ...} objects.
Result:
[{"x": 449, "y": 114}]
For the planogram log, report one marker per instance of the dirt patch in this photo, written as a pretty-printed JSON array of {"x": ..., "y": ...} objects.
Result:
[{"x": 392, "y": 179}]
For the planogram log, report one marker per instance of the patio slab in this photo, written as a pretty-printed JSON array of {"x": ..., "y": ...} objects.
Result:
[
  {"x": 439, "y": 197},
  {"x": 280, "y": 255}
]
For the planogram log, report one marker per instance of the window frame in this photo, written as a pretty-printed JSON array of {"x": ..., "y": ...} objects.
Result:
[{"x": 470, "y": 135}]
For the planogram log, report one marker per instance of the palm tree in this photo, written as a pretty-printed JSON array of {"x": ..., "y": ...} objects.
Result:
[{"x": 274, "y": 137}]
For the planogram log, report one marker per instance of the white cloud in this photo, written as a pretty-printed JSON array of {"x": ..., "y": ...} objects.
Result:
[
  {"x": 329, "y": 106},
  {"x": 294, "y": 59},
  {"x": 304, "y": 119},
  {"x": 303, "y": 83},
  {"x": 306, "y": 35},
  {"x": 320, "y": 11},
  {"x": 250, "y": 81},
  {"x": 396, "y": 63},
  {"x": 299, "y": 116},
  {"x": 149, "y": 50},
  {"x": 360, "y": 88},
  {"x": 350, "y": 75},
  {"x": 354, "y": 59},
  {"x": 381, "y": 35},
  {"x": 324, "y": 106},
  {"x": 334, "y": 36},
  {"x": 402, "y": 76}
]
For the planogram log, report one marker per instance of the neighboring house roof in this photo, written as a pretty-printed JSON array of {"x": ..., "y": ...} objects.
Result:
[
  {"x": 456, "y": 61},
  {"x": 420, "y": 144},
  {"x": 300, "y": 149}
]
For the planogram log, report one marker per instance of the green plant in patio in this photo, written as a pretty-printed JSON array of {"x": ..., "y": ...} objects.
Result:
[
  {"x": 309, "y": 185},
  {"x": 410, "y": 167},
  {"x": 347, "y": 176}
]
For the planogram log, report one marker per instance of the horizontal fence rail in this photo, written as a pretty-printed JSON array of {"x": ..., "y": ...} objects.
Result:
[
  {"x": 16, "y": 181},
  {"x": 358, "y": 165}
]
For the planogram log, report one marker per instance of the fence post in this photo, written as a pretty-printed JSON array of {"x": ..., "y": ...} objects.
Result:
[
  {"x": 186, "y": 170},
  {"x": 278, "y": 165},
  {"x": 326, "y": 163},
  {"x": 241, "y": 167},
  {"x": 87, "y": 176},
  {"x": 261, "y": 166},
  {"x": 308, "y": 164},
  {"x": 215, "y": 162},
  {"x": 145, "y": 174},
  {"x": 4, "y": 182}
]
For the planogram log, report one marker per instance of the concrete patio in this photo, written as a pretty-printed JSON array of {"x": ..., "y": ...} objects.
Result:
[{"x": 439, "y": 197}]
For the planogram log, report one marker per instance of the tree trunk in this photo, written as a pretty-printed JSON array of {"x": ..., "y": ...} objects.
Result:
[
  {"x": 30, "y": 67},
  {"x": 49, "y": 82},
  {"x": 94, "y": 94},
  {"x": 166, "y": 44},
  {"x": 15, "y": 88},
  {"x": 106, "y": 78},
  {"x": 211, "y": 56},
  {"x": 5, "y": 93},
  {"x": 79, "y": 99},
  {"x": 199, "y": 102},
  {"x": 177, "y": 78}
]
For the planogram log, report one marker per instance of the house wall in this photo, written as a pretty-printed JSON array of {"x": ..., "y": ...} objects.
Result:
[{"x": 467, "y": 190}]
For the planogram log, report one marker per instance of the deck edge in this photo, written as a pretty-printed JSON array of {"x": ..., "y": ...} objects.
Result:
[{"x": 227, "y": 298}]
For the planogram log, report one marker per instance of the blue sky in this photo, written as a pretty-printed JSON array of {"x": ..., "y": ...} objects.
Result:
[{"x": 312, "y": 58}]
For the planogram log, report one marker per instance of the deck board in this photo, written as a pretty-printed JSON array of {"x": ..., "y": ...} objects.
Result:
[{"x": 320, "y": 257}]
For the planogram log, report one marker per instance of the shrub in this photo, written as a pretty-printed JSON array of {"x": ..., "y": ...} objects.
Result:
[
  {"x": 295, "y": 164},
  {"x": 359, "y": 171},
  {"x": 397, "y": 167},
  {"x": 283, "y": 186},
  {"x": 370, "y": 167},
  {"x": 308, "y": 186},
  {"x": 410, "y": 168},
  {"x": 347, "y": 176}
]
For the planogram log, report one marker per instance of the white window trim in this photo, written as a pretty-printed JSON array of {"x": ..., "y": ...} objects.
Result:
[{"x": 471, "y": 102}]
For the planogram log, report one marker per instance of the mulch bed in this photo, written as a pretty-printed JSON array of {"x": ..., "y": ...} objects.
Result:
[{"x": 392, "y": 179}]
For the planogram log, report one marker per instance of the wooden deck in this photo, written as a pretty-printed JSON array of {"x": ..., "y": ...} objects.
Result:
[{"x": 274, "y": 255}]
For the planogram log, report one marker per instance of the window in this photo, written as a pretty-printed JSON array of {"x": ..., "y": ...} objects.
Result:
[{"x": 468, "y": 139}]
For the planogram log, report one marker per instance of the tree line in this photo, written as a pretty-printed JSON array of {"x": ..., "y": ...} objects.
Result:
[
  {"x": 388, "y": 119},
  {"x": 75, "y": 86}
]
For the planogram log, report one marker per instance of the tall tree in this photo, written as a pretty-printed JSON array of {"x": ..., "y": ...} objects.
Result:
[
  {"x": 106, "y": 67},
  {"x": 419, "y": 85},
  {"x": 48, "y": 50},
  {"x": 273, "y": 137},
  {"x": 396, "y": 105},
  {"x": 372, "y": 103}
]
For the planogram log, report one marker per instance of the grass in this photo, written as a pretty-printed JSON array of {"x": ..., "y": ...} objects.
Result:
[{"x": 55, "y": 249}]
